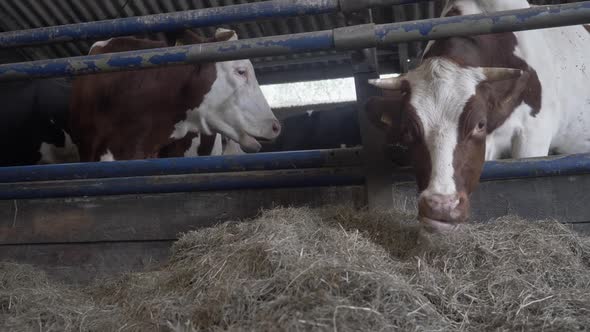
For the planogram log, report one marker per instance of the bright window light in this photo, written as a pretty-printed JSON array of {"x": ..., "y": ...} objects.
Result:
[{"x": 312, "y": 92}]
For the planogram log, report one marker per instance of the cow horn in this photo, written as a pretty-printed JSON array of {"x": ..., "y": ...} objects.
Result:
[
  {"x": 390, "y": 83},
  {"x": 499, "y": 74}
]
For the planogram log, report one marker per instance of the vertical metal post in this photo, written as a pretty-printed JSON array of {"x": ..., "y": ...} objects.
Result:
[{"x": 377, "y": 166}]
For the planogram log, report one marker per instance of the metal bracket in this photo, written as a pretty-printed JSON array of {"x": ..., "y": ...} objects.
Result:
[{"x": 355, "y": 37}]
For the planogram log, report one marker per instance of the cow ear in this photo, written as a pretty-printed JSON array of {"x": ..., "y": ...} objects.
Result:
[
  {"x": 508, "y": 95},
  {"x": 384, "y": 112},
  {"x": 225, "y": 35}
]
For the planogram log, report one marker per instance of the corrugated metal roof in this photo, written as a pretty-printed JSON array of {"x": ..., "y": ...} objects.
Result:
[{"x": 27, "y": 14}]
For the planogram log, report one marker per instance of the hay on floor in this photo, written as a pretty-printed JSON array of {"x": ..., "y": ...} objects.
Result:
[{"x": 328, "y": 270}]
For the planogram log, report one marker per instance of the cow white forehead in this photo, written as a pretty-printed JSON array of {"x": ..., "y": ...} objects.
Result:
[{"x": 440, "y": 89}]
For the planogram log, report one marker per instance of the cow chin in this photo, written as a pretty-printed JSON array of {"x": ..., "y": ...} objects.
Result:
[
  {"x": 435, "y": 226},
  {"x": 249, "y": 144}
]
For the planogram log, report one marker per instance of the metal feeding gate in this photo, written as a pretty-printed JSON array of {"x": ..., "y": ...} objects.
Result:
[{"x": 89, "y": 219}]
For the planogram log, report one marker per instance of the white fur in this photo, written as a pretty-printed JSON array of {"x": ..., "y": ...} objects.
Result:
[
  {"x": 108, "y": 156},
  {"x": 561, "y": 58},
  {"x": 193, "y": 150},
  {"x": 234, "y": 107},
  {"x": 221, "y": 146},
  {"x": 232, "y": 148},
  {"x": 101, "y": 43},
  {"x": 52, "y": 154},
  {"x": 440, "y": 90}
]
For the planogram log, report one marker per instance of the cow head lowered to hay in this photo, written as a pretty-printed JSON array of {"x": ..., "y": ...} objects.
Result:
[{"x": 476, "y": 98}]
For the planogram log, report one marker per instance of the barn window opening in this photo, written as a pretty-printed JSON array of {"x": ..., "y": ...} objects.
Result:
[{"x": 332, "y": 91}]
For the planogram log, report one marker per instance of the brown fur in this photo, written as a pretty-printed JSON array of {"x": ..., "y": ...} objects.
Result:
[{"x": 133, "y": 113}]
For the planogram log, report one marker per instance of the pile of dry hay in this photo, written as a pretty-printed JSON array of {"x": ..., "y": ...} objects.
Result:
[{"x": 328, "y": 270}]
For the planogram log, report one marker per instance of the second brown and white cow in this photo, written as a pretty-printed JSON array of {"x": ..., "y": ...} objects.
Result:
[
  {"x": 521, "y": 94},
  {"x": 149, "y": 113}
]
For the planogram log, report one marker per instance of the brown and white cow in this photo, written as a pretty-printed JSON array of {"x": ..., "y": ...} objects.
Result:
[
  {"x": 149, "y": 113},
  {"x": 521, "y": 94}
]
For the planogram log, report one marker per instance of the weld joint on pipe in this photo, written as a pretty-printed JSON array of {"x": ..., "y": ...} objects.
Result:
[{"x": 355, "y": 37}]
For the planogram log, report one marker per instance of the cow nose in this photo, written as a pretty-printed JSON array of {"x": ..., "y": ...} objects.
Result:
[
  {"x": 452, "y": 209},
  {"x": 442, "y": 202},
  {"x": 276, "y": 127}
]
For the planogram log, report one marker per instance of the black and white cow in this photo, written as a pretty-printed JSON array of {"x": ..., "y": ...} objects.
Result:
[{"x": 33, "y": 122}]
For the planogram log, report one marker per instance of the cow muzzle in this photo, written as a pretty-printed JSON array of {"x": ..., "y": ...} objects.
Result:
[
  {"x": 443, "y": 213},
  {"x": 251, "y": 143}
]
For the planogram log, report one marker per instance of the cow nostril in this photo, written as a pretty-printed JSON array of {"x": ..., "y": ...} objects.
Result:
[{"x": 276, "y": 127}]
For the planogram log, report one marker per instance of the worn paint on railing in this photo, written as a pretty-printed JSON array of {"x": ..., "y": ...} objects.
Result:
[
  {"x": 533, "y": 18},
  {"x": 168, "y": 22},
  {"x": 513, "y": 20}
]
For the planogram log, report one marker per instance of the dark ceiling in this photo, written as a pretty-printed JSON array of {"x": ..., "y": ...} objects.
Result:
[{"x": 27, "y": 14}]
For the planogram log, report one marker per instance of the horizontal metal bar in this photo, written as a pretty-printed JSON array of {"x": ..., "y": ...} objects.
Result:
[
  {"x": 524, "y": 19},
  {"x": 506, "y": 169},
  {"x": 150, "y": 58},
  {"x": 176, "y": 166},
  {"x": 358, "y": 5},
  {"x": 538, "y": 17},
  {"x": 167, "y": 22},
  {"x": 568, "y": 165},
  {"x": 186, "y": 19},
  {"x": 316, "y": 177}
]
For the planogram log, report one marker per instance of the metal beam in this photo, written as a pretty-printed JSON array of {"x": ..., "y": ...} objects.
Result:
[
  {"x": 376, "y": 165},
  {"x": 313, "y": 177},
  {"x": 386, "y": 34},
  {"x": 177, "y": 166},
  {"x": 186, "y": 19},
  {"x": 339, "y": 167}
]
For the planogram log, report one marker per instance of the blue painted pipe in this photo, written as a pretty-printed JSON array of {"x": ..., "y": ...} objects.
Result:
[
  {"x": 169, "y": 56},
  {"x": 538, "y": 17},
  {"x": 207, "y": 17},
  {"x": 568, "y": 165},
  {"x": 386, "y": 34},
  {"x": 177, "y": 166},
  {"x": 184, "y": 183},
  {"x": 168, "y": 22}
]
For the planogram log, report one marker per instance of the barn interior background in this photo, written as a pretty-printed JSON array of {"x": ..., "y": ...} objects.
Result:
[{"x": 76, "y": 238}]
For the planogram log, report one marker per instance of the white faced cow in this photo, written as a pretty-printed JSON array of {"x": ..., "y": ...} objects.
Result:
[
  {"x": 144, "y": 114},
  {"x": 521, "y": 94}
]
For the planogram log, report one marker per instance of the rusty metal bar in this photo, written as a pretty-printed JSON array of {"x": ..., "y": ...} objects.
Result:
[{"x": 386, "y": 34}]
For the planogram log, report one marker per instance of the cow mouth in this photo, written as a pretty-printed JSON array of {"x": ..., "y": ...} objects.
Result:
[
  {"x": 263, "y": 139},
  {"x": 437, "y": 226}
]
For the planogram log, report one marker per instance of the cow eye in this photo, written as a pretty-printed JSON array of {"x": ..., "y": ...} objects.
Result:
[
  {"x": 480, "y": 128},
  {"x": 481, "y": 125},
  {"x": 241, "y": 71}
]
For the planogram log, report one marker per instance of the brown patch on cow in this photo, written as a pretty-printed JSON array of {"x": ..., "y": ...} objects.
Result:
[
  {"x": 405, "y": 128},
  {"x": 587, "y": 27},
  {"x": 495, "y": 50},
  {"x": 469, "y": 154},
  {"x": 453, "y": 12},
  {"x": 133, "y": 113}
]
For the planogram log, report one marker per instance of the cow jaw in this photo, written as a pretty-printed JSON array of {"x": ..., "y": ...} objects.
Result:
[
  {"x": 234, "y": 107},
  {"x": 435, "y": 226}
]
